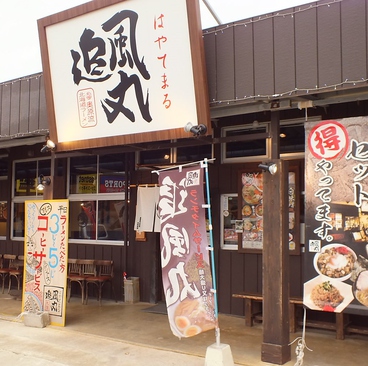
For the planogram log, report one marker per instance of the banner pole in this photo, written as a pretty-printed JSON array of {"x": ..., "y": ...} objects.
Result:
[
  {"x": 211, "y": 248},
  {"x": 216, "y": 354}
]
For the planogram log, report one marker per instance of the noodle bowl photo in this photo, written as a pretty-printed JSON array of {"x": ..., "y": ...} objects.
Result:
[
  {"x": 335, "y": 261},
  {"x": 361, "y": 288}
]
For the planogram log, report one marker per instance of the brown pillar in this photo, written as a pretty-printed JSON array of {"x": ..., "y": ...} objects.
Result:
[
  {"x": 275, "y": 135},
  {"x": 58, "y": 176},
  {"x": 275, "y": 346},
  {"x": 56, "y": 189},
  {"x": 48, "y": 190}
]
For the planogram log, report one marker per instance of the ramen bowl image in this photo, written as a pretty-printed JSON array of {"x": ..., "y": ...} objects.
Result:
[
  {"x": 360, "y": 288},
  {"x": 335, "y": 261},
  {"x": 191, "y": 317}
]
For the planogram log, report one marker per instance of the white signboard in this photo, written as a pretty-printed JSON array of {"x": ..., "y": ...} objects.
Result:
[{"x": 122, "y": 69}]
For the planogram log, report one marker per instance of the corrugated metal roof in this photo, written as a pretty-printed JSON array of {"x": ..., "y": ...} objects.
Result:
[
  {"x": 22, "y": 111},
  {"x": 315, "y": 52}
]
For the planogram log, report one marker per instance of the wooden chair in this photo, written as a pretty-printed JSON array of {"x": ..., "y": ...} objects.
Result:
[
  {"x": 16, "y": 271},
  {"x": 80, "y": 270},
  {"x": 105, "y": 273},
  {"x": 74, "y": 275},
  {"x": 6, "y": 266}
]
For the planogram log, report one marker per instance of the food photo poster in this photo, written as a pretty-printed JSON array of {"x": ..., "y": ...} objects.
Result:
[{"x": 336, "y": 216}]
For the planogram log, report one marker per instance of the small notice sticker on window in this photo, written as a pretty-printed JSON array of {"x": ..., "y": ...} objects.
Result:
[{"x": 314, "y": 246}]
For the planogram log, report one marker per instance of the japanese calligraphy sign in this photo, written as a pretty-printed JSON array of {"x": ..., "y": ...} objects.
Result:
[
  {"x": 46, "y": 253},
  {"x": 336, "y": 270},
  {"x": 119, "y": 72},
  {"x": 186, "y": 271}
]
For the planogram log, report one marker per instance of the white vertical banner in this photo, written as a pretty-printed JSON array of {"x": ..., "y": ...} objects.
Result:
[
  {"x": 146, "y": 213},
  {"x": 186, "y": 270},
  {"x": 46, "y": 258}
]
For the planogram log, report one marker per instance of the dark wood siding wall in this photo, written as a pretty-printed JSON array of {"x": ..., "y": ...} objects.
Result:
[
  {"x": 108, "y": 252},
  {"x": 306, "y": 49},
  {"x": 23, "y": 107},
  {"x": 237, "y": 271}
]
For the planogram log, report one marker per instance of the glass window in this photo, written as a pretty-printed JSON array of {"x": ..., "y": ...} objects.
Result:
[
  {"x": 229, "y": 215},
  {"x": 3, "y": 218},
  {"x": 244, "y": 149},
  {"x": 97, "y": 220},
  {"x": 194, "y": 153},
  {"x": 18, "y": 220},
  {"x": 4, "y": 166},
  {"x": 111, "y": 174},
  {"x": 112, "y": 218},
  {"x": 82, "y": 219},
  {"x": 161, "y": 156},
  {"x": 83, "y": 175},
  {"x": 3, "y": 195},
  {"x": 97, "y": 199},
  {"x": 292, "y": 139},
  {"x": 25, "y": 182},
  {"x": 25, "y": 178}
]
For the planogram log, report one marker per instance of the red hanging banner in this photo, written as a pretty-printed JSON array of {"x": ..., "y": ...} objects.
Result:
[{"x": 186, "y": 271}]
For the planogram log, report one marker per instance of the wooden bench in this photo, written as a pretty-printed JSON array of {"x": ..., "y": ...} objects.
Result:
[
  {"x": 351, "y": 328},
  {"x": 294, "y": 321}
]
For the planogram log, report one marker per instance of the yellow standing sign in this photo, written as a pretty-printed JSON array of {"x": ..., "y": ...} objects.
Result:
[{"x": 46, "y": 258}]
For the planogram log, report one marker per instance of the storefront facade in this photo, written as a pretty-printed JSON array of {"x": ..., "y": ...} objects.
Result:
[{"x": 266, "y": 77}]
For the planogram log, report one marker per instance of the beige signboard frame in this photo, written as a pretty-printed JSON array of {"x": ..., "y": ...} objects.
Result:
[
  {"x": 46, "y": 258},
  {"x": 123, "y": 72}
]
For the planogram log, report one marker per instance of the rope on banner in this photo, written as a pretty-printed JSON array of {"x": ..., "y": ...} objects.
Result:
[
  {"x": 301, "y": 344},
  {"x": 181, "y": 166}
]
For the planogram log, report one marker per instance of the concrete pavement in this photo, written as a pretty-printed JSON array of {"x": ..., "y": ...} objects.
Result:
[
  {"x": 117, "y": 334},
  {"x": 21, "y": 345}
]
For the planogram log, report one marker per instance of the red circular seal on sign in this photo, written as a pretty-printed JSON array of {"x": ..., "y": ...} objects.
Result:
[{"x": 328, "y": 140}]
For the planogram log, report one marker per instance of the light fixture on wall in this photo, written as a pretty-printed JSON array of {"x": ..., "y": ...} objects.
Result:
[
  {"x": 42, "y": 182},
  {"x": 268, "y": 167},
  {"x": 50, "y": 146},
  {"x": 195, "y": 130}
]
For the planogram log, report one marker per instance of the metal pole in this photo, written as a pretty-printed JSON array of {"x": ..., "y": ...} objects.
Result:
[
  {"x": 211, "y": 248},
  {"x": 210, "y": 9}
]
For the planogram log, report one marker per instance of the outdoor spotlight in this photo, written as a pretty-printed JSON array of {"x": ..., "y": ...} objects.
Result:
[
  {"x": 42, "y": 182},
  {"x": 50, "y": 146},
  {"x": 195, "y": 130},
  {"x": 268, "y": 167}
]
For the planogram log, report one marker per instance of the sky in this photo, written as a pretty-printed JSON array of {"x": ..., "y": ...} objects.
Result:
[{"x": 19, "y": 43}]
